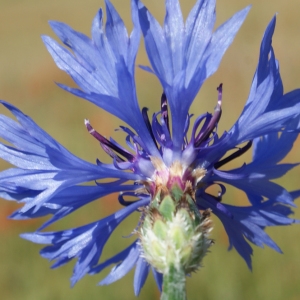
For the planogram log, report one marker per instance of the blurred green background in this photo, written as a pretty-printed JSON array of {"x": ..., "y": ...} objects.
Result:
[{"x": 27, "y": 76}]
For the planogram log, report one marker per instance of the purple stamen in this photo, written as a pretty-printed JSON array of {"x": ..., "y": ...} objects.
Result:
[
  {"x": 124, "y": 202},
  {"x": 214, "y": 120},
  {"x": 107, "y": 145},
  {"x": 164, "y": 110},
  {"x": 207, "y": 117},
  {"x": 148, "y": 124},
  {"x": 161, "y": 131},
  {"x": 186, "y": 128},
  {"x": 220, "y": 90},
  {"x": 111, "y": 153},
  {"x": 233, "y": 155}
]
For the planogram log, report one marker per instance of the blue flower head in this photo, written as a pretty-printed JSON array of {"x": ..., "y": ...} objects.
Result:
[{"x": 49, "y": 179}]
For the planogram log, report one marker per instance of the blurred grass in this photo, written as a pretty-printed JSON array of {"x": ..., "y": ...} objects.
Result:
[{"x": 27, "y": 76}]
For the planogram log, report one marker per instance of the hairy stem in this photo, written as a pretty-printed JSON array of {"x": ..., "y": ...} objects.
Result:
[{"x": 174, "y": 285}]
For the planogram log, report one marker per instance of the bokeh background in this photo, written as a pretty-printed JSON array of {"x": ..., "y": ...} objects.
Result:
[{"x": 27, "y": 79}]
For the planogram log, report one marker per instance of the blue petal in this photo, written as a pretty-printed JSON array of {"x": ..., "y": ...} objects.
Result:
[
  {"x": 199, "y": 27},
  {"x": 287, "y": 100},
  {"x": 123, "y": 268},
  {"x": 265, "y": 48},
  {"x": 126, "y": 259},
  {"x": 266, "y": 111},
  {"x": 222, "y": 39},
  {"x": 67, "y": 201},
  {"x": 257, "y": 187},
  {"x": 114, "y": 260},
  {"x": 156, "y": 44},
  {"x": 140, "y": 275},
  {"x": 85, "y": 242},
  {"x": 272, "y": 148},
  {"x": 174, "y": 33},
  {"x": 249, "y": 222},
  {"x": 115, "y": 31},
  {"x": 103, "y": 67},
  {"x": 158, "y": 278},
  {"x": 234, "y": 231},
  {"x": 182, "y": 57}
]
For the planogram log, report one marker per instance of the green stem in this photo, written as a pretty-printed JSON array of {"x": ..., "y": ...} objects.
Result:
[{"x": 174, "y": 285}]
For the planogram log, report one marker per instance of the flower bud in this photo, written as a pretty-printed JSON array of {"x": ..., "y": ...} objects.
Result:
[{"x": 174, "y": 233}]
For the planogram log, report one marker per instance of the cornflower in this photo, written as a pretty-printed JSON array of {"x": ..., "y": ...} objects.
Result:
[{"x": 170, "y": 160}]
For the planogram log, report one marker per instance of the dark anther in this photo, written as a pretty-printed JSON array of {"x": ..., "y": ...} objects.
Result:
[
  {"x": 214, "y": 120},
  {"x": 233, "y": 155},
  {"x": 148, "y": 125},
  {"x": 122, "y": 201},
  {"x": 164, "y": 110}
]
